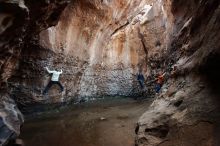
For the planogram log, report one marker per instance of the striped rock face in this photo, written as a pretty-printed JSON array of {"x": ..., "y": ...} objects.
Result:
[{"x": 101, "y": 45}]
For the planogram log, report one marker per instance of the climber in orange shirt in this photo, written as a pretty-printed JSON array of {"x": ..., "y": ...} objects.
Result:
[{"x": 159, "y": 81}]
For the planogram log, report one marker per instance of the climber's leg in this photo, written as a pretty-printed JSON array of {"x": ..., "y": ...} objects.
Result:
[
  {"x": 47, "y": 87},
  {"x": 60, "y": 85}
]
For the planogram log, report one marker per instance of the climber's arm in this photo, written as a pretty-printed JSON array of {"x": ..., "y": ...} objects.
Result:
[
  {"x": 164, "y": 74},
  {"x": 49, "y": 71}
]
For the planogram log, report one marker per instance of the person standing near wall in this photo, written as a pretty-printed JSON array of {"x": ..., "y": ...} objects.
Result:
[
  {"x": 159, "y": 81},
  {"x": 140, "y": 79}
]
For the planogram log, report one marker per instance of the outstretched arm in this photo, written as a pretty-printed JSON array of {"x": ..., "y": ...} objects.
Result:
[
  {"x": 164, "y": 74},
  {"x": 61, "y": 71},
  {"x": 49, "y": 71}
]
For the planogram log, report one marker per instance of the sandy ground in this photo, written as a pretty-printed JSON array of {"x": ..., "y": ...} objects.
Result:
[{"x": 106, "y": 123}]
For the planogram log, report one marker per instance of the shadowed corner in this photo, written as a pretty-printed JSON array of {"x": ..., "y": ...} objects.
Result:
[{"x": 211, "y": 73}]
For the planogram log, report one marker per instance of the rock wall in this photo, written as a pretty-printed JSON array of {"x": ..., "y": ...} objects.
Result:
[
  {"x": 20, "y": 21},
  {"x": 100, "y": 45},
  {"x": 186, "y": 112}
]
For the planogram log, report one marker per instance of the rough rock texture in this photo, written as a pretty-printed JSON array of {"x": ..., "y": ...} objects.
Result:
[
  {"x": 20, "y": 21},
  {"x": 10, "y": 119},
  {"x": 100, "y": 45},
  {"x": 186, "y": 113}
]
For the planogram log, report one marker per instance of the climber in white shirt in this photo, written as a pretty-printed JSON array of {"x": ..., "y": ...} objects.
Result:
[{"x": 54, "y": 80}]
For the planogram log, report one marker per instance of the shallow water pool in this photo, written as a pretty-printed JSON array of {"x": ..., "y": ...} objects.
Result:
[{"x": 100, "y": 123}]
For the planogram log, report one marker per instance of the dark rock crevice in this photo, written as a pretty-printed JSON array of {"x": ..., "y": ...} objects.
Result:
[
  {"x": 120, "y": 28},
  {"x": 160, "y": 131}
]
